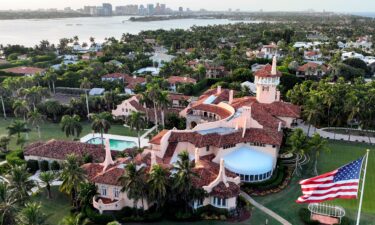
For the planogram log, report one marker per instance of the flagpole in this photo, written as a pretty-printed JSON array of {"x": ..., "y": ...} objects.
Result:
[{"x": 362, "y": 189}]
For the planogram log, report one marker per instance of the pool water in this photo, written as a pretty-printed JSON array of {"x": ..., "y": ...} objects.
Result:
[{"x": 115, "y": 145}]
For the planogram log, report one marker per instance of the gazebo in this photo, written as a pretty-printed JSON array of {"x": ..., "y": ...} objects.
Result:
[{"x": 325, "y": 213}]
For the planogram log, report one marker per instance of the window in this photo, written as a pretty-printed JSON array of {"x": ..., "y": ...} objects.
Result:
[
  {"x": 199, "y": 202},
  {"x": 103, "y": 191},
  {"x": 229, "y": 146},
  {"x": 116, "y": 192},
  {"x": 246, "y": 177},
  {"x": 256, "y": 177},
  {"x": 220, "y": 202},
  {"x": 251, "y": 177}
]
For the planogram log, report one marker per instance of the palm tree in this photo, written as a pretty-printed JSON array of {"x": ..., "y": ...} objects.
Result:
[
  {"x": 71, "y": 125},
  {"x": 133, "y": 182},
  {"x": 86, "y": 84},
  {"x": 53, "y": 107},
  {"x": 153, "y": 92},
  {"x": 34, "y": 95},
  {"x": 20, "y": 108},
  {"x": 72, "y": 175},
  {"x": 4, "y": 142},
  {"x": 163, "y": 102},
  {"x": 17, "y": 127},
  {"x": 47, "y": 178},
  {"x": 8, "y": 205},
  {"x": 109, "y": 99},
  {"x": 35, "y": 118},
  {"x": 51, "y": 77},
  {"x": 32, "y": 214},
  {"x": 298, "y": 146},
  {"x": 20, "y": 182},
  {"x": 86, "y": 194},
  {"x": 100, "y": 123},
  {"x": 137, "y": 122},
  {"x": 3, "y": 94},
  {"x": 158, "y": 184},
  {"x": 312, "y": 111},
  {"x": 316, "y": 145},
  {"x": 182, "y": 179}
]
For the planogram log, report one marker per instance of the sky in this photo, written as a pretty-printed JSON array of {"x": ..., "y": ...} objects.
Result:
[{"x": 244, "y": 5}]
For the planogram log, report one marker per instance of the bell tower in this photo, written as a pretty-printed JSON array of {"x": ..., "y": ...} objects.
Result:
[{"x": 266, "y": 81}]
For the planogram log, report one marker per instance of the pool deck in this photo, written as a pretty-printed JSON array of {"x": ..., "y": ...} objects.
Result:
[{"x": 144, "y": 141}]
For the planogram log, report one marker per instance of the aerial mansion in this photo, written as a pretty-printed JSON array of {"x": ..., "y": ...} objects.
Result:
[{"x": 231, "y": 140}]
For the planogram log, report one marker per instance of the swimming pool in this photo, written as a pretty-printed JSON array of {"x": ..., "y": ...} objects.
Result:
[{"x": 115, "y": 145}]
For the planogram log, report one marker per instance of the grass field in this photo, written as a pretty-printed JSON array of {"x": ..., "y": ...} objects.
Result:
[
  {"x": 341, "y": 153},
  {"x": 55, "y": 208},
  {"x": 53, "y": 131}
]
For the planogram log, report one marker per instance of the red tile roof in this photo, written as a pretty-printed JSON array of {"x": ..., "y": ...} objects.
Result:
[
  {"x": 221, "y": 112},
  {"x": 222, "y": 191},
  {"x": 312, "y": 66},
  {"x": 253, "y": 135},
  {"x": 94, "y": 172},
  {"x": 182, "y": 80},
  {"x": 57, "y": 149},
  {"x": 266, "y": 72},
  {"x": 157, "y": 138},
  {"x": 24, "y": 70},
  {"x": 132, "y": 81},
  {"x": 174, "y": 96}
]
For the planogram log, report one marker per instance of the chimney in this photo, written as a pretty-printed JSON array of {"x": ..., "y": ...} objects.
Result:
[
  {"x": 274, "y": 64},
  {"x": 280, "y": 126},
  {"x": 108, "y": 156},
  {"x": 218, "y": 90},
  {"x": 230, "y": 97}
]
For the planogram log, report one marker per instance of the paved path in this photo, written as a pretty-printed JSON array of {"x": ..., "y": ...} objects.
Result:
[
  {"x": 330, "y": 135},
  {"x": 264, "y": 209}
]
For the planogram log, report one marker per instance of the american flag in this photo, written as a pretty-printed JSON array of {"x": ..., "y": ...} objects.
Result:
[{"x": 340, "y": 183}]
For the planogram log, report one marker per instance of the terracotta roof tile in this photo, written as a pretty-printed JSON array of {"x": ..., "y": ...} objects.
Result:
[
  {"x": 157, "y": 138},
  {"x": 266, "y": 72},
  {"x": 177, "y": 79},
  {"x": 24, "y": 70}
]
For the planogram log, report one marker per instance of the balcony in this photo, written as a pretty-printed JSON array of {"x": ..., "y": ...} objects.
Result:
[{"x": 106, "y": 204}]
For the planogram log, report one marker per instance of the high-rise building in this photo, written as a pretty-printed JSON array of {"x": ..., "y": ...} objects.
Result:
[
  {"x": 127, "y": 10},
  {"x": 150, "y": 9},
  {"x": 163, "y": 8},
  {"x": 107, "y": 9},
  {"x": 142, "y": 10},
  {"x": 180, "y": 9}
]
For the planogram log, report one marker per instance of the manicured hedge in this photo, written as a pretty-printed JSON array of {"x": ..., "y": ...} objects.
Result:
[
  {"x": 55, "y": 166},
  {"x": 15, "y": 157},
  {"x": 32, "y": 166},
  {"x": 44, "y": 165}
]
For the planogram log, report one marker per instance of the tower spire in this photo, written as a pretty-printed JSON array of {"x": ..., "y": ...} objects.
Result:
[
  {"x": 108, "y": 156},
  {"x": 274, "y": 64}
]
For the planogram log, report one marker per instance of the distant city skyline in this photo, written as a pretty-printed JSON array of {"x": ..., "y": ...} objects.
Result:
[{"x": 243, "y": 5}]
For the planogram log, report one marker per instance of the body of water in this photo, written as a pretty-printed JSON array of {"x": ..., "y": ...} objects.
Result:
[
  {"x": 366, "y": 14},
  {"x": 30, "y": 32}
]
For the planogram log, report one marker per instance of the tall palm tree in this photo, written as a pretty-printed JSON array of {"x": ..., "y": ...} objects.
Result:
[
  {"x": 35, "y": 118},
  {"x": 298, "y": 146},
  {"x": 158, "y": 185},
  {"x": 72, "y": 175},
  {"x": 17, "y": 127},
  {"x": 163, "y": 102},
  {"x": 86, "y": 194},
  {"x": 317, "y": 144},
  {"x": 47, "y": 178},
  {"x": 153, "y": 92},
  {"x": 20, "y": 108},
  {"x": 109, "y": 99},
  {"x": 312, "y": 110},
  {"x": 137, "y": 122},
  {"x": 8, "y": 205},
  {"x": 100, "y": 123},
  {"x": 20, "y": 182},
  {"x": 3, "y": 94},
  {"x": 53, "y": 107},
  {"x": 134, "y": 183},
  {"x": 32, "y": 214},
  {"x": 86, "y": 84},
  {"x": 71, "y": 125},
  {"x": 34, "y": 95},
  {"x": 51, "y": 77},
  {"x": 182, "y": 179}
]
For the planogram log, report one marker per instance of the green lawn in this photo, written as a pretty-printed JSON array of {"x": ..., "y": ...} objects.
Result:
[
  {"x": 341, "y": 153},
  {"x": 55, "y": 208},
  {"x": 53, "y": 131}
]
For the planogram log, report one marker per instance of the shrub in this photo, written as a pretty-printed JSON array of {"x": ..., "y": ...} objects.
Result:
[
  {"x": 55, "y": 166},
  {"x": 44, "y": 165},
  {"x": 4, "y": 169},
  {"x": 97, "y": 218},
  {"x": 32, "y": 166},
  {"x": 87, "y": 158},
  {"x": 15, "y": 158}
]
